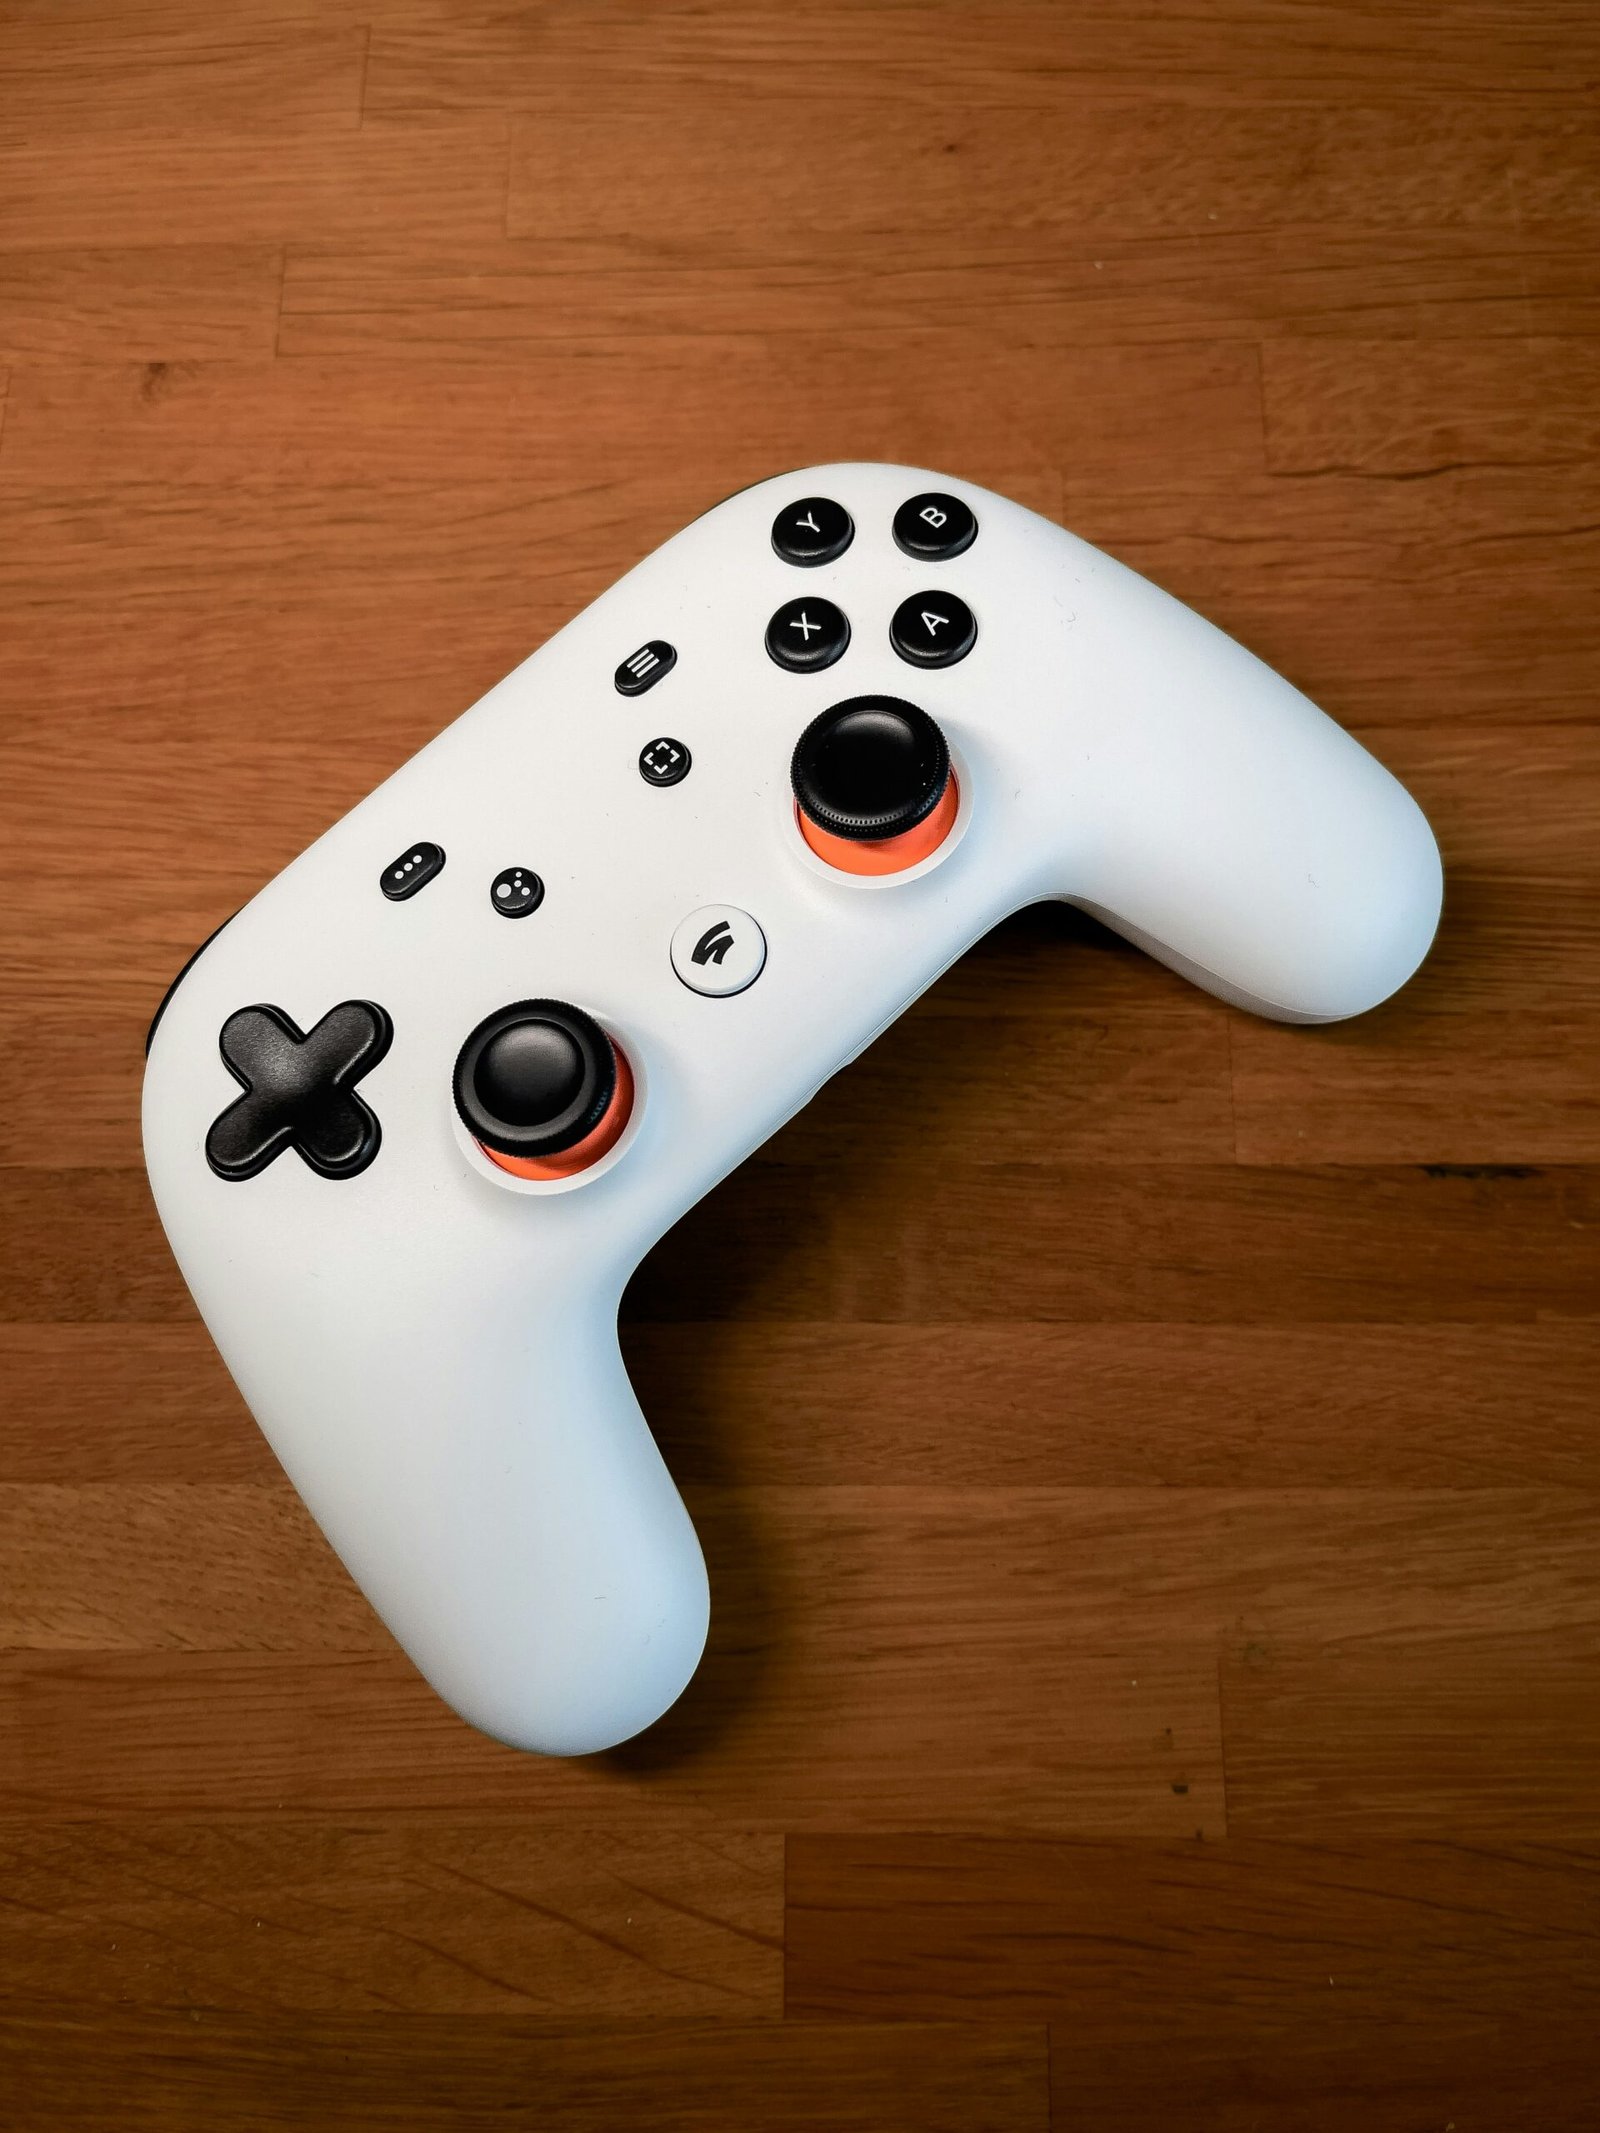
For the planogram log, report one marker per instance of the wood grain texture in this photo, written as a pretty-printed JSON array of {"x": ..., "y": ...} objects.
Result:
[
  {"x": 107, "y": 80},
  {"x": 1117, "y": 169},
  {"x": 516, "y": 297},
  {"x": 151, "y": 304},
  {"x": 1085, "y": 1406},
  {"x": 1154, "y": 1544},
  {"x": 1384, "y": 409},
  {"x": 227, "y": 187},
  {"x": 1297, "y": 1982},
  {"x": 760, "y": 1746},
  {"x": 433, "y": 1916},
  {"x": 784, "y": 1240},
  {"x": 427, "y": 57},
  {"x": 197, "y": 2070}
]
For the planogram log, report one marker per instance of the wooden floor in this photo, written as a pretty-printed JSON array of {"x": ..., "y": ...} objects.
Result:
[{"x": 1155, "y": 1679}]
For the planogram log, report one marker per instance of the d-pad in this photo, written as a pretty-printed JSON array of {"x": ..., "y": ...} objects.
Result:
[{"x": 299, "y": 1090}]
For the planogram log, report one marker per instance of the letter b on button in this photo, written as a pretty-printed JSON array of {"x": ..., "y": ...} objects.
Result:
[{"x": 934, "y": 527}]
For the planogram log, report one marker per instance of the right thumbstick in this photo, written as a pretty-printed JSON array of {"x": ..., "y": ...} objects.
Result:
[{"x": 873, "y": 785}]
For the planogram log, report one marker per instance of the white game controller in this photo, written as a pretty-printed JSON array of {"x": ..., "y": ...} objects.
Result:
[{"x": 413, "y": 1117}]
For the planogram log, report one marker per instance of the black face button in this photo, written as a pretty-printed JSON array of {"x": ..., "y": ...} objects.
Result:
[
  {"x": 412, "y": 871},
  {"x": 934, "y": 526},
  {"x": 535, "y": 1078},
  {"x": 516, "y": 891},
  {"x": 642, "y": 669},
  {"x": 299, "y": 1091},
  {"x": 806, "y": 635},
  {"x": 933, "y": 629},
  {"x": 664, "y": 761},
  {"x": 815, "y": 530},
  {"x": 872, "y": 767}
]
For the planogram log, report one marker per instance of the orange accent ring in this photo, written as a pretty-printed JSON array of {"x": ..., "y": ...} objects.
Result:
[
  {"x": 885, "y": 855},
  {"x": 582, "y": 1155}
]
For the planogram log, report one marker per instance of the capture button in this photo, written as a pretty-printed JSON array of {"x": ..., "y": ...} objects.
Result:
[
  {"x": 718, "y": 950},
  {"x": 807, "y": 635},
  {"x": 412, "y": 871},
  {"x": 815, "y": 530},
  {"x": 664, "y": 761},
  {"x": 933, "y": 629},
  {"x": 934, "y": 526}
]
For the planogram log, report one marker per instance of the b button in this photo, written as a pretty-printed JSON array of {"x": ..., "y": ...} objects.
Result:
[{"x": 934, "y": 527}]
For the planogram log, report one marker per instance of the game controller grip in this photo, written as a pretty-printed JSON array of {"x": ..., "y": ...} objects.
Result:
[
  {"x": 491, "y": 1483},
  {"x": 1231, "y": 829}
]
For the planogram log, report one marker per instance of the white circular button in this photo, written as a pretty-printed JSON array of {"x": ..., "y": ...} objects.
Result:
[{"x": 718, "y": 950}]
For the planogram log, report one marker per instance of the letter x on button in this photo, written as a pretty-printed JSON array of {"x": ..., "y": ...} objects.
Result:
[{"x": 805, "y": 635}]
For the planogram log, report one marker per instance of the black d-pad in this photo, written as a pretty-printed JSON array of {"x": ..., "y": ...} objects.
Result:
[{"x": 299, "y": 1090}]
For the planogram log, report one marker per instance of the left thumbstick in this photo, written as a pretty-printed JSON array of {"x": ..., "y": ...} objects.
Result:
[{"x": 542, "y": 1089}]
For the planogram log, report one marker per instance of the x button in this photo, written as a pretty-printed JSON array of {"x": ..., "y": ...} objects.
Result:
[{"x": 807, "y": 634}]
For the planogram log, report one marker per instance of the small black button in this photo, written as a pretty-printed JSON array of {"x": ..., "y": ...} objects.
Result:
[
  {"x": 870, "y": 768},
  {"x": 299, "y": 1091},
  {"x": 412, "y": 871},
  {"x": 664, "y": 761},
  {"x": 807, "y": 635},
  {"x": 535, "y": 1078},
  {"x": 815, "y": 530},
  {"x": 642, "y": 669},
  {"x": 516, "y": 892},
  {"x": 933, "y": 629},
  {"x": 934, "y": 526}
]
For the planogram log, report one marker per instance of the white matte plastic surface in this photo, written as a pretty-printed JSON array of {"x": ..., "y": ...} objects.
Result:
[{"x": 431, "y": 1346}]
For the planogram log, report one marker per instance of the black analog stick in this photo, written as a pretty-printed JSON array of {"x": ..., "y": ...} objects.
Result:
[
  {"x": 535, "y": 1078},
  {"x": 870, "y": 768}
]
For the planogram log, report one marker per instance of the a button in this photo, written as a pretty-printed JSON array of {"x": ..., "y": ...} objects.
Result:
[
  {"x": 542, "y": 1089},
  {"x": 815, "y": 530},
  {"x": 934, "y": 526},
  {"x": 807, "y": 635},
  {"x": 516, "y": 892},
  {"x": 642, "y": 669},
  {"x": 933, "y": 629},
  {"x": 299, "y": 1091},
  {"x": 718, "y": 950},
  {"x": 412, "y": 871},
  {"x": 664, "y": 761}
]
